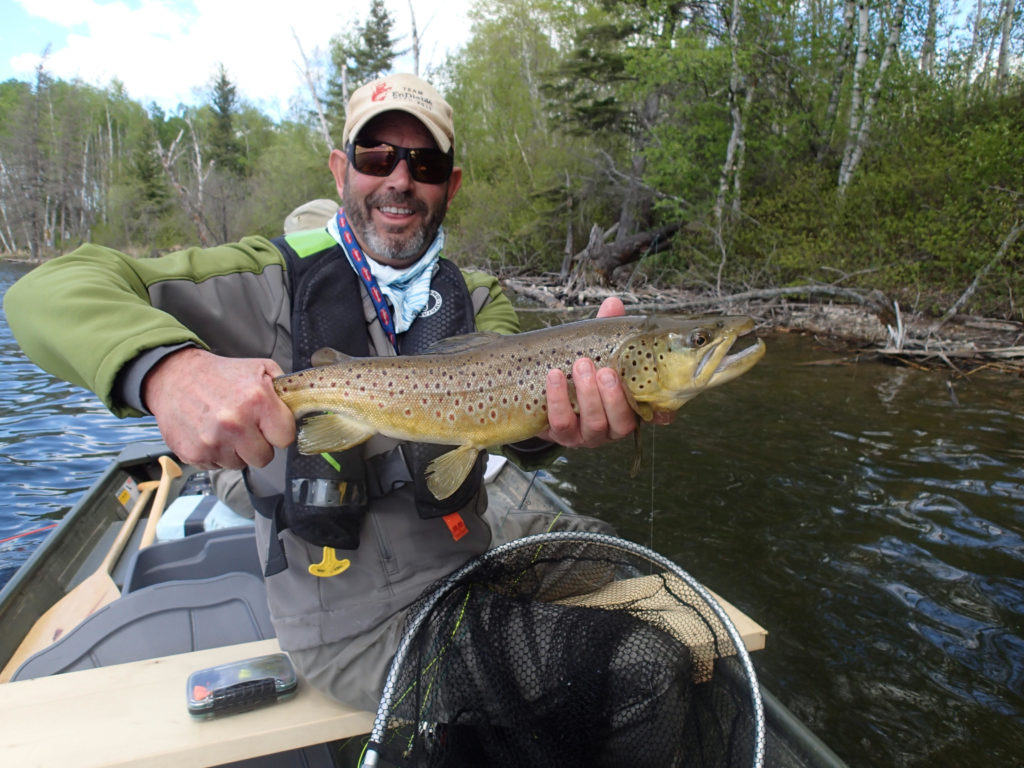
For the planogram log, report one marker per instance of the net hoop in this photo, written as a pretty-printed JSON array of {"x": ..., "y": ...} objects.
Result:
[{"x": 441, "y": 589}]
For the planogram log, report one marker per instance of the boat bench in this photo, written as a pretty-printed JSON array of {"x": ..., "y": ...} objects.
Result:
[
  {"x": 178, "y": 605},
  {"x": 135, "y": 714}
]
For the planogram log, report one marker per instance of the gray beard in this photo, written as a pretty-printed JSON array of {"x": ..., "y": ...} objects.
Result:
[
  {"x": 393, "y": 249},
  {"x": 382, "y": 245}
]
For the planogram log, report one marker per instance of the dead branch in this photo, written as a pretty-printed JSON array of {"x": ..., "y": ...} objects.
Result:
[
  {"x": 630, "y": 249},
  {"x": 1008, "y": 242}
]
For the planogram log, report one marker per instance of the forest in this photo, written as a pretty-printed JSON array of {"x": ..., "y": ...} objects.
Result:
[{"x": 717, "y": 146}]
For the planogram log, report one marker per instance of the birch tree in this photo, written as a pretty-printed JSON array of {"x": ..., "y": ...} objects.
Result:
[
  {"x": 190, "y": 189},
  {"x": 1005, "y": 52},
  {"x": 861, "y": 108},
  {"x": 311, "y": 76}
]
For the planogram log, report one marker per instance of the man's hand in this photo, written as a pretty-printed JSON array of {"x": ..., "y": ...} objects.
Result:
[
  {"x": 218, "y": 411},
  {"x": 604, "y": 411}
]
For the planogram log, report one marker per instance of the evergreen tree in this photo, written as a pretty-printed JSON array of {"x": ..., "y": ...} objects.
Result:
[
  {"x": 224, "y": 146},
  {"x": 358, "y": 56}
]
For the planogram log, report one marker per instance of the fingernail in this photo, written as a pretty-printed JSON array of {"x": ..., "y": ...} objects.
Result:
[
  {"x": 608, "y": 378},
  {"x": 583, "y": 370}
]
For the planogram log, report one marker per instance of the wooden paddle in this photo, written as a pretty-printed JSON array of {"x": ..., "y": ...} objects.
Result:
[
  {"x": 168, "y": 471},
  {"x": 98, "y": 589}
]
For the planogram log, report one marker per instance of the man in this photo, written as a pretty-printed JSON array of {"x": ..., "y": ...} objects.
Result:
[{"x": 196, "y": 338}]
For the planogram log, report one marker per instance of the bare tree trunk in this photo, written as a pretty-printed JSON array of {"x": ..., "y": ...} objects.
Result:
[
  {"x": 7, "y": 193},
  {"x": 1003, "y": 67},
  {"x": 318, "y": 104},
  {"x": 858, "y": 138},
  {"x": 974, "y": 53},
  {"x": 192, "y": 202},
  {"x": 563, "y": 274},
  {"x": 930, "y": 34},
  {"x": 856, "y": 93},
  {"x": 636, "y": 200},
  {"x": 735, "y": 148},
  {"x": 415, "y": 42},
  {"x": 838, "y": 75}
]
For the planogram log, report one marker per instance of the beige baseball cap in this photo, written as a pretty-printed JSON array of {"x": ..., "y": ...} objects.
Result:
[{"x": 404, "y": 93}]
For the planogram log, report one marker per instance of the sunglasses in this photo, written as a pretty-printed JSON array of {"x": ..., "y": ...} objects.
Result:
[{"x": 375, "y": 158}]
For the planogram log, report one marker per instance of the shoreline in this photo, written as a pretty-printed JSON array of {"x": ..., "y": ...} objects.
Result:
[{"x": 964, "y": 343}]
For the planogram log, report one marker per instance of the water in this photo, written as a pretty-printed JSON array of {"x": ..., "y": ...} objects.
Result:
[
  {"x": 871, "y": 517},
  {"x": 55, "y": 439}
]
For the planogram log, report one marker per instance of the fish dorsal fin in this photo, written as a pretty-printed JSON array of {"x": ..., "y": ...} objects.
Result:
[
  {"x": 328, "y": 356},
  {"x": 462, "y": 343}
]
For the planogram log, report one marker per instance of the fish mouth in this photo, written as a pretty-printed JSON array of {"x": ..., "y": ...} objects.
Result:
[{"x": 729, "y": 366}]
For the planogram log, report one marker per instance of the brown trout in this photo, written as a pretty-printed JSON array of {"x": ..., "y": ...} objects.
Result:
[{"x": 484, "y": 389}]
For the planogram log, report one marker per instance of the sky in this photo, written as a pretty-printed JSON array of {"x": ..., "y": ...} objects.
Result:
[{"x": 168, "y": 51}]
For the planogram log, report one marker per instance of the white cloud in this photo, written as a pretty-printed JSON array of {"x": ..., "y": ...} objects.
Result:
[{"x": 168, "y": 51}]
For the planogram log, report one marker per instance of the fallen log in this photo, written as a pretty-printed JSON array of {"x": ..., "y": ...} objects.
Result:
[{"x": 608, "y": 257}]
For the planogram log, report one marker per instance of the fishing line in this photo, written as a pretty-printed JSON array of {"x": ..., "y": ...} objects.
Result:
[{"x": 650, "y": 542}]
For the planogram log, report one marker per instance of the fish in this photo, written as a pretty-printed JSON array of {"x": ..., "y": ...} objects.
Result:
[{"x": 482, "y": 390}]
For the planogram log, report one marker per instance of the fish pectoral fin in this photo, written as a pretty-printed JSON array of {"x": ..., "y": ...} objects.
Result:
[
  {"x": 328, "y": 356},
  {"x": 447, "y": 472},
  {"x": 330, "y": 432}
]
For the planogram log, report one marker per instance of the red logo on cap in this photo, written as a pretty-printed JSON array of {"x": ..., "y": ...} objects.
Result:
[{"x": 380, "y": 91}]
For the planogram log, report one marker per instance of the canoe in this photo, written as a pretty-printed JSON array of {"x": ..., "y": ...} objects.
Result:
[{"x": 191, "y": 599}]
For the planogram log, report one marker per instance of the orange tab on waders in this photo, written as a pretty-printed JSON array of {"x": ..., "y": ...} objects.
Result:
[{"x": 456, "y": 525}]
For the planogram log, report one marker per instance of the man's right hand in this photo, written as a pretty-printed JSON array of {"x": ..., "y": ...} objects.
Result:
[{"x": 218, "y": 411}]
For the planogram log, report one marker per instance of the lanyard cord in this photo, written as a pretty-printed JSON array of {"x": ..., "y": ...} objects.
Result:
[{"x": 358, "y": 261}]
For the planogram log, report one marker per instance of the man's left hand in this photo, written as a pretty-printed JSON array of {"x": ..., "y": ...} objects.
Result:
[{"x": 604, "y": 411}]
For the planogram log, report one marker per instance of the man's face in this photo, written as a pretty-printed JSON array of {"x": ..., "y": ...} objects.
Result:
[{"x": 394, "y": 218}]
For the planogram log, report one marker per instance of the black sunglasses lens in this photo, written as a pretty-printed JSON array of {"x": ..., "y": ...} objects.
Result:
[
  {"x": 379, "y": 160},
  {"x": 426, "y": 165},
  {"x": 430, "y": 166}
]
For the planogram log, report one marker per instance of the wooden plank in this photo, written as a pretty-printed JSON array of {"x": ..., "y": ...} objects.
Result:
[
  {"x": 753, "y": 634},
  {"x": 135, "y": 714}
]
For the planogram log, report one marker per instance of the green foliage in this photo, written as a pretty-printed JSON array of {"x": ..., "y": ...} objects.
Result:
[{"x": 576, "y": 113}]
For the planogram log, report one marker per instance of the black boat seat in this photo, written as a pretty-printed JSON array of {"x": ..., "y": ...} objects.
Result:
[
  {"x": 199, "y": 556},
  {"x": 161, "y": 620}
]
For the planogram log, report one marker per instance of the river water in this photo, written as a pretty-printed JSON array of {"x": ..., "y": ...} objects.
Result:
[{"x": 871, "y": 517}]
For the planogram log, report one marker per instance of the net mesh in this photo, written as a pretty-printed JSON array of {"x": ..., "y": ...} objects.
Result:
[{"x": 569, "y": 649}]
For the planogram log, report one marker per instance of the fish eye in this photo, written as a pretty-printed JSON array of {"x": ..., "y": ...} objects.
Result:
[{"x": 699, "y": 338}]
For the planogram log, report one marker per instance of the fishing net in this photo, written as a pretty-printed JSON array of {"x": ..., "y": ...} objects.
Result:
[{"x": 569, "y": 649}]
